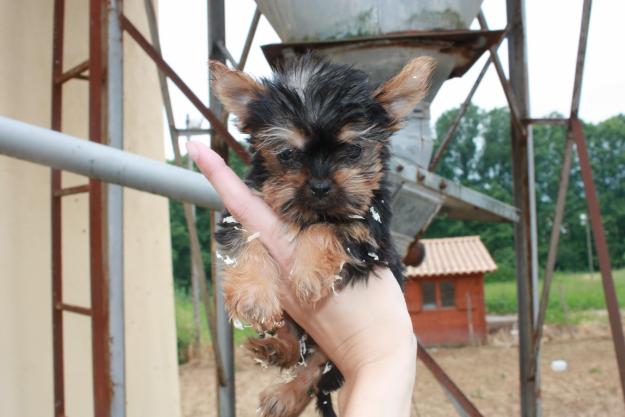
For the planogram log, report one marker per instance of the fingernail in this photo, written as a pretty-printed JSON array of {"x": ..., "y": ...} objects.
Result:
[{"x": 192, "y": 150}]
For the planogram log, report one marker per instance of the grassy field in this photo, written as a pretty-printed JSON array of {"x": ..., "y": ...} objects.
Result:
[
  {"x": 184, "y": 326},
  {"x": 572, "y": 294}
]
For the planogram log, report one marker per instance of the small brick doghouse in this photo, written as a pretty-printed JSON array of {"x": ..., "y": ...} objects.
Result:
[{"x": 445, "y": 293}]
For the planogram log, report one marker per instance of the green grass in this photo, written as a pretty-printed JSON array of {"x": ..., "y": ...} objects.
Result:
[
  {"x": 580, "y": 293},
  {"x": 184, "y": 326}
]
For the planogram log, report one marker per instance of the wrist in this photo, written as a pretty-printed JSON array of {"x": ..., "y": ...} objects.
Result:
[{"x": 382, "y": 388}]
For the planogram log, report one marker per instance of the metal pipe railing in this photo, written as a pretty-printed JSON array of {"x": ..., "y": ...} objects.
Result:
[{"x": 57, "y": 150}]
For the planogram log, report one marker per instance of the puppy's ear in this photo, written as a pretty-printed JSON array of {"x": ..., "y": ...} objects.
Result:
[
  {"x": 400, "y": 94},
  {"x": 233, "y": 88}
]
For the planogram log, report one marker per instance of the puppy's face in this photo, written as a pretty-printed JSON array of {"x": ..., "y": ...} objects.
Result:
[{"x": 319, "y": 132}]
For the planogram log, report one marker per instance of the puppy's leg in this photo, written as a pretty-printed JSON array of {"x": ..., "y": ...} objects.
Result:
[
  {"x": 251, "y": 284},
  {"x": 289, "y": 399},
  {"x": 319, "y": 257},
  {"x": 282, "y": 349}
]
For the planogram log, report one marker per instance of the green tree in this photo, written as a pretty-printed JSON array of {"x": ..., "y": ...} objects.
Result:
[{"x": 480, "y": 157}]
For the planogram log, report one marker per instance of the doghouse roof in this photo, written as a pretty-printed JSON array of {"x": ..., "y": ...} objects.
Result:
[{"x": 453, "y": 256}]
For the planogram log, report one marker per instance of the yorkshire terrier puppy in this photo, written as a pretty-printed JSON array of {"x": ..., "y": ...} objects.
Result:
[{"x": 319, "y": 133}]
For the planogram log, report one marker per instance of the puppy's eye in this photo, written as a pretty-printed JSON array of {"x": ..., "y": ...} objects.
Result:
[
  {"x": 354, "y": 151},
  {"x": 286, "y": 155}
]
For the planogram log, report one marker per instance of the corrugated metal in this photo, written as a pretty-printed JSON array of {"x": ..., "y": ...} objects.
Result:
[{"x": 456, "y": 255}]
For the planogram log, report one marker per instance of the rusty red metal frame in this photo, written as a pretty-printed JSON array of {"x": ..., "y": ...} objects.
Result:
[
  {"x": 462, "y": 400},
  {"x": 99, "y": 302},
  {"x": 74, "y": 309},
  {"x": 515, "y": 114},
  {"x": 466, "y": 45},
  {"x": 56, "y": 207},
  {"x": 576, "y": 135},
  {"x": 99, "y": 283},
  {"x": 249, "y": 39},
  {"x": 454, "y": 126},
  {"x": 549, "y": 121},
  {"x": 565, "y": 173},
  {"x": 216, "y": 124},
  {"x": 79, "y": 189},
  {"x": 75, "y": 72},
  {"x": 601, "y": 245}
]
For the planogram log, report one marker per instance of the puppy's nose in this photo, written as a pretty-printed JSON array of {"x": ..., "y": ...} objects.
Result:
[{"x": 319, "y": 187}]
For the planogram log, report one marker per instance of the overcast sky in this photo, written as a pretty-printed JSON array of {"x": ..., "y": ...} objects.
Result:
[{"x": 553, "y": 32}]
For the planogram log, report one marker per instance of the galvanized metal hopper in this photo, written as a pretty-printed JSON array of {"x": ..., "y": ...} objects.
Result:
[{"x": 380, "y": 37}]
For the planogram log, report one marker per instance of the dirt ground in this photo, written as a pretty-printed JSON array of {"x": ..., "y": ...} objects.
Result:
[{"x": 487, "y": 374}]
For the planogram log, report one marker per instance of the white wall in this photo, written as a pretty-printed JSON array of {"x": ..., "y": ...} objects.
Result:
[{"x": 26, "y": 383}]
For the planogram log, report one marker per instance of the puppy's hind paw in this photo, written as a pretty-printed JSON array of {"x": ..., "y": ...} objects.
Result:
[
  {"x": 274, "y": 351},
  {"x": 284, "y": 400}
]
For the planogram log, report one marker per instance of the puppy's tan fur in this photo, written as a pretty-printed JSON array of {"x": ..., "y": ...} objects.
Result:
[
  {"x": 251, "y": 286},
  {"x": 318, "y": 258}
]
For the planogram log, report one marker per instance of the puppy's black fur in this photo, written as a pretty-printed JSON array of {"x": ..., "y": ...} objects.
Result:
[{"x": 320, "y": 134}]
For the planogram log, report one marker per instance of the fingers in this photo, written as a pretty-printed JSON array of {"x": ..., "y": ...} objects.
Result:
[
  {"x": 231, "y": 189},
  {"x": 249, "y": 210}
]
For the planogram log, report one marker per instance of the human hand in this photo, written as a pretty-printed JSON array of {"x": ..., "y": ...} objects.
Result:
[{"x": 365, "y": 330}]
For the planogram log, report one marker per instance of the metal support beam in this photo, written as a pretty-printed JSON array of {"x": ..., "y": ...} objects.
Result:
[
  {"x": 244, "y": 54},
  {"x": 74, "y": 72},
  {"x": 508, "y": 89},
  {"x": 454, "y": 126},
  {"x": 460, "y": 401},
  {"x": 216, "y": 21},
  {"x": 581, "y": 58},
  {"x": 60, "y": 151},
  {"x": 198, "y": 281},
  {"x": 56, "y": 185},
  {"x": 523, "y": 188},
  {"x": 556, "y": 122},
  {"x": 216, "y": 124},
  {"x": 115, "y": 212},
  {"x": 225, "y": 52},
  {"x": 194, "y": 132},
  {"x": 565, "y": 174},
  {"x": 98, "y": 253},
  {"x": 594, "y": 211},
  {"x": 564, "y": 179},
  {"x": 249, "y": 39},
  {"x": 73, "y": 309}
]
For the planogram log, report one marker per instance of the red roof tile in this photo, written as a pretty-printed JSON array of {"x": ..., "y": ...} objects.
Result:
[{"x": 450, "y": 256}]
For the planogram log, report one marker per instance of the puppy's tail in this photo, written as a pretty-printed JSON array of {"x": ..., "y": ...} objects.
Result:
[{"x": 324, "y": 404}]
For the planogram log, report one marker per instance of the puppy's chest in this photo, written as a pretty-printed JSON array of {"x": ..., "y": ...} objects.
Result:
[{"x": 360, "y": 243}]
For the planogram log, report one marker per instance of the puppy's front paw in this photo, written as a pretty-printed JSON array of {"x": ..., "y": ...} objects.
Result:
[
  {"x": 251, "y": 287},
  {"x": 256, "y": 303},
  {"x": 310, "y": 286},
  {"x": 319, "y": 257}
]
